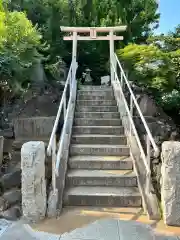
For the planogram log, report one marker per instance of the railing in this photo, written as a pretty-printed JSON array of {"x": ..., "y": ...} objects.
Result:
[
  {"x": 55, "y": 149},
  {"x": 126, "y": 111}
]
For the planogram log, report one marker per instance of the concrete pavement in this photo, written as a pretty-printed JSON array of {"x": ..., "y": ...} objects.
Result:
[{"x": 106, "y": 229}]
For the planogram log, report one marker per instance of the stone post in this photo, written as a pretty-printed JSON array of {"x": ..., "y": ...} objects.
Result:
[
  {"x": 170, "y": 182},
  {"x": 1, "y": 149},
  {"x": 33, "y": 181}
]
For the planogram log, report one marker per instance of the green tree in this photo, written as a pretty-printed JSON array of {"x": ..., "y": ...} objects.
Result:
[
  {"x": 19, "y": 42},
  {"x": 139, "y": 15},
  {"x": 149, "y": 67}
]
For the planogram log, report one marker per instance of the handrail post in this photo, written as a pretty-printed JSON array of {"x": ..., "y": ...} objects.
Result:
[
  {"x": 148, "y": 149},
  {"x": 111, "y": 42},
  {"x": 121, "y": 81},
  {"x": 54, "y": 164},
  {"x": 131, "y": 112},
  {"x": 74, "y": 50},
  {"x": 64, "y": 105}
]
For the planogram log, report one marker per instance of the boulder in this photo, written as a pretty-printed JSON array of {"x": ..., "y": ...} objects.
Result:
[
  {"x": 170, "y": 182},
  {"x": 3, "y": 204},
  {"x": 12, "y": 197},
  {"x": 33, "y": 181},
  {"x": 10, "y": 180},
  {"x": 7, "y": 133},
  {"x": 12, "y": 214},
  {"x": 8, "y": 145}
]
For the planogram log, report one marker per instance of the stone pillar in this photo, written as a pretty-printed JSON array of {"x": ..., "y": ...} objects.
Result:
[
  {"x": 33, "y": 181},
  {"x": 170, "y": 182},
  {"x": 1, "y": 149}
]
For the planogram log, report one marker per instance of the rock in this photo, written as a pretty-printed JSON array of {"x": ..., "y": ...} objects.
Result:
[
  {"x": 105, "y": 80},
  {"x": 11, "y": 180},
  {"x": 1, "y": 149},
  {"x": 12, "y": 214},
  {"x": 12, "y": 197},
  {"x": 8, "y": 145},
  {"x": 3, "y": 204},
  {"x": 147, "y": 105},
  {"x": 14, "y": 167},
  {"x": 15, "y": 157},
  {"x": 7, "y": 133},
  {"x": 33, "y": 181},
  {"x": 170, "y": 182}
]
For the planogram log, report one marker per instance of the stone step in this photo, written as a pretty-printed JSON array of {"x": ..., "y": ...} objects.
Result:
[
  {"x": 81, "y": 96},
  {"x": 118, "y": 178},
  {"x": 99, "y": 139},
  {"x": 98, "y": 87},
  {"x": 99, "y": 150},
  {"x": 103, "y": 196},
  {"x": 97, "y": 115},
  {"x": 96, "y": 109},
  {"x": 105, "y": 93},
  {"x": 80, "y": 103},
  {"x": 98, "y": 130},
  {"x": 97, "y": 122},
  {"x": 101, "y": 162}
]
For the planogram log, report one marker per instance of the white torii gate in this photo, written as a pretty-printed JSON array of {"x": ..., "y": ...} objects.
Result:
[{"x": 111, "y": 37}]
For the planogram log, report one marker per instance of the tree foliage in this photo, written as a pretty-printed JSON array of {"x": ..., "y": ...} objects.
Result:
[
  {"x": 156, "y": 67},
  {"x": 19, "y": 41},
  {"x": 139, "y": 15}
]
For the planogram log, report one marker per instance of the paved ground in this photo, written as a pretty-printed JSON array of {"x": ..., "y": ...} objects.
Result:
[
  {"x": 107, "y": 229},
  {"x": 91, "y": 224},
  {"x": 78, "y": 217}
]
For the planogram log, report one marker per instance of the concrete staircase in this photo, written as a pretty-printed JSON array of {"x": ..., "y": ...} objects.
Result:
[{"x": 100, "y": 169}]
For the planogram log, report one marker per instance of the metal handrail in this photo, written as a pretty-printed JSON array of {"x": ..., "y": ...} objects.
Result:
[
  {"x": 132, "y": 123},
  {"x": 156, "y": 149},
  {"x": 129, "y": 111},
  {"x": 52, "y": 145},
  {"x": 49, "y": 148}
]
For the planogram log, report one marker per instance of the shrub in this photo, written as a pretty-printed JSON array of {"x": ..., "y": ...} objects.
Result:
[{"x": 149, "y": 67}]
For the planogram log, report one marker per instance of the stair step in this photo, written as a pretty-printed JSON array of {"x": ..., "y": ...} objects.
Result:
[
  {"x": 119, "y": 178},
  {"x": 99, "y": 139},
  {"x": 103, "y": 196},
  {"x": 95, "y": 97},
  {"x": 96, "y": 122},
  {"x": 96, "y": 109},
  {"x": 98, "y": 87},
  {"x": 94, "y": 102},
  {"x": 97, "y": 115},
  {"x": 99, "y": 150},
  {"x": 104, "y": 93},
  {"x": 101, "y": 162},
  {"x": 98, "y": 130}
]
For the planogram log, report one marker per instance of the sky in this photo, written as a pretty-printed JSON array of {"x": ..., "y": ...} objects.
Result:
[{"x": 170, "y": 15}]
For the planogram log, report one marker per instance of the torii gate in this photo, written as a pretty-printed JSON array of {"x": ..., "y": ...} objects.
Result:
[{"x": 111, "y": 37}]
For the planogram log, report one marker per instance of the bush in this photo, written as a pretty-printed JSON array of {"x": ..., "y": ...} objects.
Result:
[
  {"x": 149, "y": 67},
  {"x": 171, "y": 100}
]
